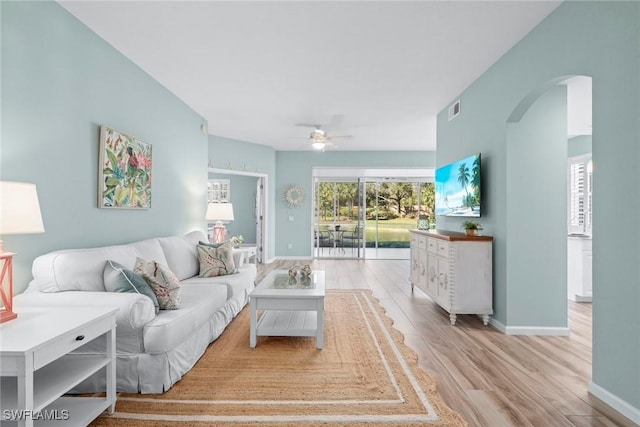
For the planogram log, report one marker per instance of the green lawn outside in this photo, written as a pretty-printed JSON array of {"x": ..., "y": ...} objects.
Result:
[{"x": 392, "y": 230}]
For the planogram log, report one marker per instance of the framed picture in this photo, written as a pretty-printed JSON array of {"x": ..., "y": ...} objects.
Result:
[{"x": 124, "y": 180}]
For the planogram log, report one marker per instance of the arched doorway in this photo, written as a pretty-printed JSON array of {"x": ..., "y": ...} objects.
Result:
[{"x": 537, "y": 209}]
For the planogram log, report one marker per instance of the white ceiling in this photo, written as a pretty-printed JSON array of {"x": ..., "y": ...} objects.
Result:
[{"x": 378, "y": 70}]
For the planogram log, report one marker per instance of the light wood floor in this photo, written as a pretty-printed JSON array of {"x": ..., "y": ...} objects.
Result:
[{"x": 492, "y": 379}]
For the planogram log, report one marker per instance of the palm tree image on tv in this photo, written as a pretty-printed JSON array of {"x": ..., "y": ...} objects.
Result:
[{"x": 458, "y": 188}]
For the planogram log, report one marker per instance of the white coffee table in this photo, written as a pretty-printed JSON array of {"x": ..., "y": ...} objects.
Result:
[{"x": 292, "y": 308}]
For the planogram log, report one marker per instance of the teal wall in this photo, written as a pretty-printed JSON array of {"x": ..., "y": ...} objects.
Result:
[
  {"x": 243, "y": 196},
  {"x": 535, "y": 295},
  {"x": 579, "y": 145},
  {"x": 295, "y": 167},
  {"x": 60, "y": 82},
  {"x": 600, "y": 40},
  {"x": 240, "y": 157}
]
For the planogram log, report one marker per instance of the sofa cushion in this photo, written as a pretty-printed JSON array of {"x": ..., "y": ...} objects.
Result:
[
  {"x": 216, "y": 261},
  {"x": 181, "y": 254},
  {"x": 148, "y": 249},
  {"x": 82, "y": 269},
  {"x": 164, "y": 283},
  {"x": 170, "y": 328},
  {"x": 120, "y": 279},
  {"x": 238, "y": 285}
]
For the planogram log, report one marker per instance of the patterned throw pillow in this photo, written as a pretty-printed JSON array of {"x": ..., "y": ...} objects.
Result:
[
  {"x": 216, "y": 261},
  {"x": 117, "y": 278},
  {"x": 212, "y": 245},
  {"x": 164, "y": 283}
]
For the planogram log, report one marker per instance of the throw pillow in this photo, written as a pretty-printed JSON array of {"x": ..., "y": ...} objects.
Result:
[
  {"x": 238, "y": 257},
  {"x": 117, "y": 278},
  {"x": 163, "y": 282},
  {"x": 216, "y": 261},
  {"x": 212, "y": 245}
]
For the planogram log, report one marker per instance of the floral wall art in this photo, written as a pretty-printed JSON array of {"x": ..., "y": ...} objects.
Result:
[{"x": 124, "y": 172}]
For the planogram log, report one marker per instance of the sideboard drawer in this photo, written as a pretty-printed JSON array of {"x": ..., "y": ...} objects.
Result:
[
  {"x": 443, "y": 248},
  {"x": 422, "y": 242},
  {"x": 70, "y": 341},
  {"x": 432, "y": 245}
]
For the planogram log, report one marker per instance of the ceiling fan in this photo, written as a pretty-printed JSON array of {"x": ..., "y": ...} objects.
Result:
[{"x": 319, "y": 138}]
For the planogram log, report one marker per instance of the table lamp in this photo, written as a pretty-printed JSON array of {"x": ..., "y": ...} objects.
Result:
[
  {"x": 19, "y": 214},
  {"x": 219, "y": 212}
]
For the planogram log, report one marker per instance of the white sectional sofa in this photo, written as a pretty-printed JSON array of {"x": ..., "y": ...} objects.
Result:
[{"x": 153, "y": 351}]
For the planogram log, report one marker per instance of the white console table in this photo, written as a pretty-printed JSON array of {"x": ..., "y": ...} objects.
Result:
[
  {"x": 37, "y": 369},
  {"x": 454, "y": 270}
]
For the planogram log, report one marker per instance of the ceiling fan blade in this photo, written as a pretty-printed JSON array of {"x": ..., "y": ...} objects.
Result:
[
  {"x": 336, "y": 137},
  {"x": 308, "y": 125}
]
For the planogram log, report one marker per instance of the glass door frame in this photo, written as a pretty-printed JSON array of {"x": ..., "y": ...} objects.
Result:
[{"x": 362, "y": 176}]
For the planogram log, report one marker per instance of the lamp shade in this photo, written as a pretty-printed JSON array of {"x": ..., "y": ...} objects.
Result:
[
  {"x": 19, "y": 208},
  {"x": 219, "y": 212}
]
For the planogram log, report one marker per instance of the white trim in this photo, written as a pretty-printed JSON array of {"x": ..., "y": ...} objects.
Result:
[
  {"x": 235, "y": 172},
  {"x": 337, "y": 172},
  {"x": 544, "y": 331},
  {"x": 623, "y": 407},
  {"x": 285, "y": 257},
  {"x": 266, "y": 237},
  {"x": 499, "y": 326}
]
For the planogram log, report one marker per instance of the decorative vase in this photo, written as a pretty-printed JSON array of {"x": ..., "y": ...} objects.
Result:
[
  {"x": 293, "y": 272},
  {"x": 305, "y": 271},
  {"x": 471, "y": 232},
  {"x": 423, "y": 222}
]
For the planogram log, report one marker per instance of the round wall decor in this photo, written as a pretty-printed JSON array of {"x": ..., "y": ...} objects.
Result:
[{"x": 293, "y": 195}]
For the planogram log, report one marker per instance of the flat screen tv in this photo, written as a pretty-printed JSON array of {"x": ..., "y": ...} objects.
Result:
[{"x": 458, "y": 188}]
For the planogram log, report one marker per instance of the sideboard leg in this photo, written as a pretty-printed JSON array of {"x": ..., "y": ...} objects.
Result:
[
  {"x": 452, "y": 318},
  {"x": 485, "y": 319}
]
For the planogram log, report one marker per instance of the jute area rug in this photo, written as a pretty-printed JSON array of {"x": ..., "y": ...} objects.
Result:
[{"x": 365, "y": 375}]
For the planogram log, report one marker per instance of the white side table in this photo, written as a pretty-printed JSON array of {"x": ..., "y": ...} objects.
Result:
[
  {"x": 37, "y": 368},
  {"x": 246, "y": 253}
]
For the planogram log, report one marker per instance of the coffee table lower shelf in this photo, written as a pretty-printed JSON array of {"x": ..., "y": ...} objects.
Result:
[
  {"x": 286, "y": 323},
  {"x": 289, "y": 323}
]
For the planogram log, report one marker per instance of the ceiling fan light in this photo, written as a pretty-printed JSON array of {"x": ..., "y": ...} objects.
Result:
[
  {"x": 317, "y": 134},
  {"x": 317, "y": 145}
]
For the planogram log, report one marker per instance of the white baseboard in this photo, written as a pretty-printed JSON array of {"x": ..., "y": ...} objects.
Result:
[
  {"x": 499, "y": 326},
  {"x": 305, "y": 258},
  {"x": 623, "y": 407},
  {"x": 529, "y": 330}
]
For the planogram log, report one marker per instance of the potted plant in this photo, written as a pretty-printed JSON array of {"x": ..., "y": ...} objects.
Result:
[
  {"x": 236, "y": 241},
  {"x": 471, "y": 228}
]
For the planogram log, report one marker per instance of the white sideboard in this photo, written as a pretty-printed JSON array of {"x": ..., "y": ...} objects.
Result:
[
  {"x": 454, "y": 270},
  {"x": 37, "y": 369}
]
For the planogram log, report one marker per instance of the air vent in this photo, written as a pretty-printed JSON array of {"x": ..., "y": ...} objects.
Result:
[{"x": 454, "y": 110}]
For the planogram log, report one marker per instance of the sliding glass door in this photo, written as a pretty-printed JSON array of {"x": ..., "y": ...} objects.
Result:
[
  {"x": 368, "y": 218},
  {"x": 337, "y": 219}
]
